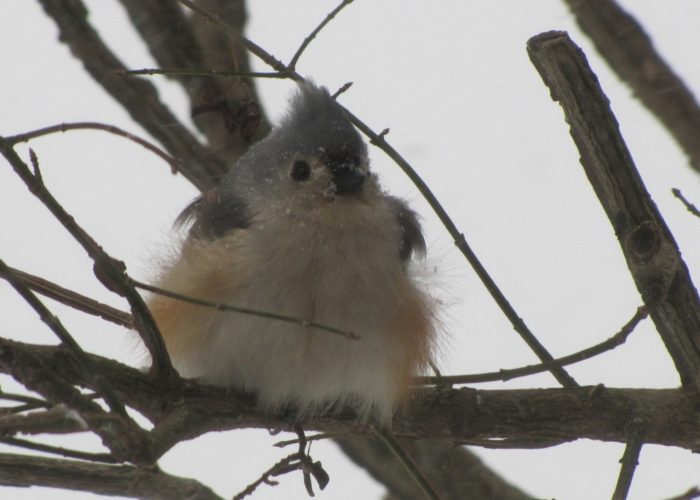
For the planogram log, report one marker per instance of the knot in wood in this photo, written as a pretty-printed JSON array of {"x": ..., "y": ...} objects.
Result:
[{"x": 643, "y": 242}]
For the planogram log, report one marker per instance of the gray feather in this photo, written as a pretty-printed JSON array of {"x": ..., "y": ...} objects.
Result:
[{"x": 410, "y": 232}]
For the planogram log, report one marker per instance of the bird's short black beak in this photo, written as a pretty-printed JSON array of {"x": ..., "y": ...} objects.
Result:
[{"x": 348, "y": 178}]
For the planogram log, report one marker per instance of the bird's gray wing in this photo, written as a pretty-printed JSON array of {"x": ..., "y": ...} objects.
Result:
[
  {"x": 213, "y": 214},
  {"x": 410, "y": 232}
]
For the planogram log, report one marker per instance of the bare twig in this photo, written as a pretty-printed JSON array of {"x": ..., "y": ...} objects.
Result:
[
  {"x": 108, "y": 270},
  {"x": 652, "y": 254},
  {"x": 202, "y": 72},
  {"x": 293, "y": 63},
  {"x": 63, "y": 127},
  {"x": 300, "y": 461},
  {"x": 407, "y": 462},
  {"x": 630, "y": 459},
  {"x": 244, "y": 310},
  {"x": 691, "y": 494},
  {"x": 378, "y": 139},
  {"x": 691, "y": 208},
  {"x": 266, "y": 477},
  {"x": 58, "y": 450},
  {"x": 630, "y": 53},
  {"x": 507, "y": 374},
  {"x": 74, "y": 299}
]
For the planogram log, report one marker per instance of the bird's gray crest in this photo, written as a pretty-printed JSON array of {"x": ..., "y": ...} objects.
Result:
[{"x": 317, "y": 125}]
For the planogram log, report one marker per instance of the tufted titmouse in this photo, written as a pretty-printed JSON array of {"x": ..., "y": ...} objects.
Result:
[{"x": 301, "y": 227}]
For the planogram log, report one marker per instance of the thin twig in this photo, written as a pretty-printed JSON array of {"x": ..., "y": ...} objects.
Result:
[
  {"x": 58, "y": 450},
  {"x": 244, "y": 310},
  {"x": 265, "y": 477},
  {"x": 630, "y": 459},
  {"x": 201, "y": 72},
  {"x": 73, "y": 299},
  {"x": 64, "y": 127},
  {"x": 110, "y": 271},
  {"x": 293, "y": 63},
  {"x": 691, "y": 494},
  {"x": 507, "y": 374},
  {"x": 691, "y": 208},
  {"x": 459, "y": 239},
  {"x": 408, "y": 463},
  {"x": 315, "y": 437}
]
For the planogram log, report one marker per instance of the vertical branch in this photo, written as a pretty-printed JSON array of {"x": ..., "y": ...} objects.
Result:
[
  {"x": 652, "y": 255},
  {"x": 630, "y": 459}
]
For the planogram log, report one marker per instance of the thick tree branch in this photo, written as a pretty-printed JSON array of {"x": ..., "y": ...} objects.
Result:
[
  {"x": 557, "y": 415},
  {"x": 631, "y": 54},
  {"x": 652, "y": 255},
  {"x": 121, "y": 480},
  {"x": 379, "y": 140}
]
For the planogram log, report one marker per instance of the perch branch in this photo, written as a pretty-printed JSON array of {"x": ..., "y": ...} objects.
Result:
[
  {"x": 652, "y": 255},
  {"x": 556, "y": 415}
]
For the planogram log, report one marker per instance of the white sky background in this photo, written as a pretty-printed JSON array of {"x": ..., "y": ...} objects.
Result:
[{"x": 467, "y": 109}]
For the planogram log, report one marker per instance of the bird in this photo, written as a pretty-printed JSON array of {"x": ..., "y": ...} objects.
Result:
[{"x": 300, "y": 226}]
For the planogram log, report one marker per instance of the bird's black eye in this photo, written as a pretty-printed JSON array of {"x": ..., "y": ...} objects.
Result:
[{"x": 301, "y": 171}]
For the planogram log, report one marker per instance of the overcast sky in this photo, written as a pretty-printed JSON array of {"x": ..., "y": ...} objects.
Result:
[{"x": 468, "y": 110}]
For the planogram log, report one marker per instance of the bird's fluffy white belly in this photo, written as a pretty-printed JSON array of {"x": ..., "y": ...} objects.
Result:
[{"x": 306, "y": 368}]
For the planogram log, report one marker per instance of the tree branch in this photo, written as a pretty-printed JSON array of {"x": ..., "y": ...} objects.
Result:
[
  {"x": 137, "y": 96},
  {"x": 73, "y": 299},
  {"x": 631, "y": 54},
  {"x": 630, "y": 459},
  {"x": 121, "y": 480},
  {"x": 179, "y": 41},
  {"x": 652, "y": 254},
  {"x": 559, "y": 415},
  {"x": 110, "y": 271}
]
